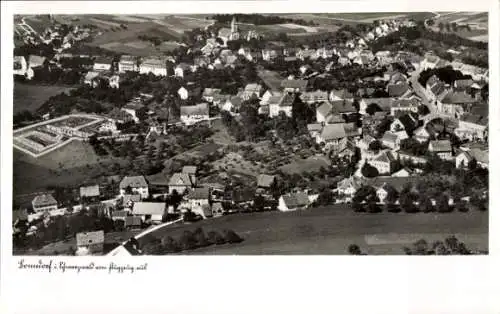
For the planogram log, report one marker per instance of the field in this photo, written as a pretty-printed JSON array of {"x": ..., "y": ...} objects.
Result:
[
  {"x": 311, "y": 164},
  {"x": 69, "y": 165},
  {"x": 478, "y": 22},
  {"x": 329, "y": 230},
  {"x": 30, "y": 97}
]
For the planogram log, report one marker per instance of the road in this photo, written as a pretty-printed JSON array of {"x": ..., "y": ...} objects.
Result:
[{"x": 420, "y": 91}]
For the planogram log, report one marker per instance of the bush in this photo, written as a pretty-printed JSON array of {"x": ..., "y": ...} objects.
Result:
[
  {"x": 354, "y": 249},
  {"x": 232, "y": 237},
  {"x": 200, "y": 238},
  {"x": 374, "y": 208},
  {"x": 392, "y": 208},
  {"x": 462, "y": 207},
  {"x": 170, "y": 245},
  {"x": 215, "y": 238},
  {"x": 187, "y": 241}
]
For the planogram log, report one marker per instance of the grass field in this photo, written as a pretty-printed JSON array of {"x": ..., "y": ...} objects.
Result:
[
  {"x": 30, "y": 97},
  {"x": 329, "y": 230},
  {"x": 70, "y": 165}
]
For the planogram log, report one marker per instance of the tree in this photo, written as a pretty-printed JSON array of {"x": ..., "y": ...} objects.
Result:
[
  {"x": 441, "y": 26},
  {"x": 425, "y": 204},
  {"x": 442, "y": 204},
  {"x": 430, "y": 22},
  {"x": 325, "y": 197},
  {"x": 372, "y": 108},
  {"x": 406, "y": 202},
  {"x": 187, "y": 241},
  {"x": 215, "y": 238},
  {"x": 461, "y": 206},
  {"x": 369, "y": 171},
  {"x": 200, "y": 238},
  {"x": 354, "y": 249},
  {"x": 232, "y": 237},
  {"x": 375, "y": 146}
]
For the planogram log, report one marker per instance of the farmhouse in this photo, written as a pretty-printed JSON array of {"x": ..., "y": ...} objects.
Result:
[
  {"x": 182, "y": 69},
  {"x": 135, "y": 185},
  {"x": 199, "y": 201},
  {"x": 89, "y": 243},
  {"x": 466, "y": 156},
  {"x": 405, "y": 105},
  {"x": 407, "y": 122},
  {"x": 455, "y": 104},
  {"x": 348, "y": 186},
  {"x": 293, "y": 201},
  {"x": 421, "y": 134},
  {"x": 35, "y": 61},
  {"x": 156, "y": 66},
  {"x": 149, "y": 211},
  {"x": 194, "y": 114},
  {"x": 472, "y": 127},
  {"x": 331, "y": 134},
  {"x": 294, "y": 86},
  {"x": 128, "y": 63},
  {"x": 44, "y": 203},
  {"x": 91, "y": 191},
  {"x": 251, "y": 90},
  {"x": 385, "y": 162},
  {"x": 282, "y": 103}
]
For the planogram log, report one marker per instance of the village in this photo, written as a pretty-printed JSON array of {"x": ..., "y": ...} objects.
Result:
[{"x": 239, "y": 124}]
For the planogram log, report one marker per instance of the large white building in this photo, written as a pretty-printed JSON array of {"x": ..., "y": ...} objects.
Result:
[{"x": 156, "y": 66}]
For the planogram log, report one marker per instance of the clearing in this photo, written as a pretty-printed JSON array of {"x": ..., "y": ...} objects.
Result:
[
  {"x": 330, "y": 230},
  {"x": 30, "y": 97}
]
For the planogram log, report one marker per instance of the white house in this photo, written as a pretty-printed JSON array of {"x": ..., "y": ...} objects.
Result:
[
  {"x": 183, "y": 93},
  {"x": 137, "y": 184},
  {"x": 156, "y": 66},
  {"x": 472, "y": 127},
  {"x": 281, "y": 103},
  {"x": 181, "y": 69},
  {"x": 103, "y": 64},
  {"x": 199, "y": 201},
  {"x": 20, "y": 65},
  {"x": 127, "y": 63},
  {"x": 44, "y": 203},
  {"x": 149, "y": 211},
  {"x": 384, "y": 162},
  {"x": 293, "y": 201},
  {"x": 421, "y": 134},
  {"x": 251, "y": 90},
  {"x": 194, "y": 114},
  {"x": 466, "y": 156}
]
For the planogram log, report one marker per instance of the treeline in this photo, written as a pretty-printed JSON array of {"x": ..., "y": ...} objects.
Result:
[
  {"x": 446, "y": 74},
  {"x": 259, "y": 19}
]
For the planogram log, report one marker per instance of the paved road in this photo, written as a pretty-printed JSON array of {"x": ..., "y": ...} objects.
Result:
[{"x": 420, "y": 91}]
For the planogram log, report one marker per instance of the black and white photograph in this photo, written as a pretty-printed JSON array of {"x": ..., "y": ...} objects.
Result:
[{"x": 250, "y": 134}]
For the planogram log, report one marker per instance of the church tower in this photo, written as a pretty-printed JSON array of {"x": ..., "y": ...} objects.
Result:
[{"x": 234, "y": 27}]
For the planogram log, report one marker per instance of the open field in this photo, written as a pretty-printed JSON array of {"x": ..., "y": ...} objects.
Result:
[
  {"x": 30, "y": 97},
  {"x": 311, "y": 164},
  {"x": 329, "y": 230},
  {"x": 69, "y": 165},
  {"x": 478, "y": 22}
]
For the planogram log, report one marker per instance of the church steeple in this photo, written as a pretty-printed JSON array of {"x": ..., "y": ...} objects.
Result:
[{"x": 234, "y": 27}]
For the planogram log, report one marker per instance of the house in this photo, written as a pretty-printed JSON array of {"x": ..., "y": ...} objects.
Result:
[
  {"x": 364, "y": 143},
  {"x": 35, "y": 61},
  {"x": 134, "y": 185},
  {"x": 334, "y": 108},
  {"x": 232, "y": 104},
  {"x": 409, "y": 157},
  {"x": 391, "y": 140},
  {"x": 398, "y": 89},
  {"x": 182, "y": 69},
  {"x": 472, "y": 127},
  {"x": 44, "y": 203},
  {"x": 103, "y": 64},
  {"x": 265, "y": 182},
  {"x": 294, "y": 86},
  {"x": 282, "y": 103},
  {"x": 252, "y": 90},
  {"x": 421, "y": 134},
  {"x": 381, "y": 104},
  {"x": 91, "y": 191},
  {"x": 340, "y": 94},
  {"x": 114, "y": 81},
  {"x": 89, "y": 243},
  {"x": 407, "y": 122},
  {"x": 155, "y": 65},
  {"x": 91, "y": 78},
  {"x": 466, "y": 156},
  {"x": 384, "y": 162},
  {"x": 384, "y": 190},
  {"x": 209, "y": 93},
  {"x": 218, "y": 210},
  {"x": 456, "y": 104},
  {"x": 183, "y": 93},
  {"x": 405, "y": 105},
  {"x": 442, "y": 148},
  {"x": 132, "y": 222},
  {"x": 348, "y": 186},
  {"x": 119, "y": 215},
  {"x": 270, "y": 54},
  {"x": 403, "y": 173},
  {"x": 194, "y": 114},
  {"x": 128, "y": 63},
  {"x": 180, "y": 182},
  {"x": 429, "y": 62},
  {"x": 346, "y": 149},
  {"x": 130, "y": 248},
  {"x": 149, "y": 211},
  {"x": 314, "y": 129},
  {"x": 20, "y": 65},
  {"x": 331, "y": 134},
  {"x": 293, "y": 201},
  {"x": 199, "y": 201},
  {"x": 191, "y": 171},
  {"x": 128, "y": 200},
  {"x": 463, "y": 84}
]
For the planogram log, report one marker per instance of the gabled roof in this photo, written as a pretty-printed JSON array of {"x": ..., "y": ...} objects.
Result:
[
  {"x": 211, "y": 91},
  {"x": 464, "y": 83},
  {"x": 34, "y": 60},
  {"x": 342, "y": 106},
  {"x": 44, "y": 200},
  {"x": 128, "y": 59},
  {"x": 406, "y": 102},
  {"x": 120, "y": 213},
  {"x": 390, "y": 137},
  {"x": 295, "y": 200},
  {"x": 287, "y": 100},
  {"x": 89, "y": 191},
  {"x": 253, "y": 87},
  {"x": 324, "y": 109},
  {"x": 475, "y": 119},
  {"x": 133, "y": 221},
  {"x": 148, "y": 208},
  {"x": 131, "y": 198},
  {"x": 265, "y": 180},
  {"x": 440, "y": 146},
  {"x": 384, "y": 103},
  {"x": 133, "y": 182},
  {"x": 103, "y": 60},
  {"x": 199, "y": 194},
  {"x": 89, "y": 238},
  {"x": 180, "y": 179},
  {"x": 458, "y": 98},
  {"x": 314, "y": 127},
  {"x": 342, "y": 93}
]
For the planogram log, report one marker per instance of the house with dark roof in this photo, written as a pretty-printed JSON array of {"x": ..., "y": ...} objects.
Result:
[
  {"x": 329, "y": 109},
  {"x": 90, "y": 243},
  {"x": 149, "y": 211},
  {"x": 294, "y": 86},
  {"x": 44, "y": 203},
  {"x": 293, "y": 201},
  {"x": 348, "y": 186},
  {"x": 103, "y": 64},
  {"x": 284, "y": 104},
  {"x": 398, "y": 89},
  {"x": 193, "y": 114},
  {"x": 385, "y": 162},
  {"x": 132, "y": 222},
  {"x": 340, "y": 94},
  {"x": 331, "y": 134},
  {"x": 405, "y": 105},
  {"x": 442, "y": 148},
  {"x": 455, "y": 104},
  {"x": 134, "y": 184}
]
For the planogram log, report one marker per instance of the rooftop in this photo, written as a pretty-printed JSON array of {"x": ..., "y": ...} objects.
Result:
[{"x": 148, "y": 208}]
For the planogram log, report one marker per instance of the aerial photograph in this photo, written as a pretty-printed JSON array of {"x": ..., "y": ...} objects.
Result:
[{"x": 251, "y": 134}]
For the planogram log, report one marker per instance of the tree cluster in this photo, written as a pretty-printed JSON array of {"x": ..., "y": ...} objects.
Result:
[{"x": 259, "y": 19}]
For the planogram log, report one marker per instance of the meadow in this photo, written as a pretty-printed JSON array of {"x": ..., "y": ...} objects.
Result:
[{"x": 30, "y": 97}]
